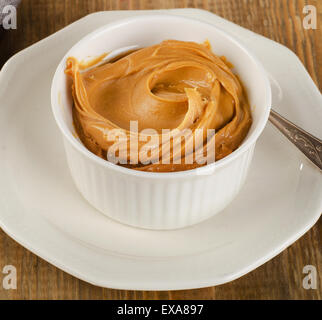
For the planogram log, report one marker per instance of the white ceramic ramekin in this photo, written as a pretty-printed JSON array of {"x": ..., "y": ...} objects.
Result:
[{"x": 160, "y": 200}]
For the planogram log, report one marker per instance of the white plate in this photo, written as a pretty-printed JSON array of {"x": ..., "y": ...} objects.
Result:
[{"x": 41, "y": 208}]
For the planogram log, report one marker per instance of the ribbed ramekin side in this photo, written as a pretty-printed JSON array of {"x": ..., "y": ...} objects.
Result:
[
  {"x": 223, "y": 185},
  {"x": 157, "y": 203}
]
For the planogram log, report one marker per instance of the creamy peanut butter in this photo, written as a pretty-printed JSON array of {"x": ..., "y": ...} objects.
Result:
[{"x": 168, "y": 88}]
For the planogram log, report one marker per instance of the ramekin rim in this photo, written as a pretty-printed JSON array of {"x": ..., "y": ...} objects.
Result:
[{"x": 176, "y": 174}]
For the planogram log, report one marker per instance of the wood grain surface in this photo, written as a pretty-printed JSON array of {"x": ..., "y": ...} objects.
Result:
[{"x": 280, "y": 278}]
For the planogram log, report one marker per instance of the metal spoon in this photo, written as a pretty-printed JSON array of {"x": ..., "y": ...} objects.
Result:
[
  {"x": 304, "y": 141},
  {"x": 113, "y": 54}
]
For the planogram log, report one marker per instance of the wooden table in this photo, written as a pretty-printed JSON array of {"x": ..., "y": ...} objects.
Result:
[{"x": 280, "y": 278}]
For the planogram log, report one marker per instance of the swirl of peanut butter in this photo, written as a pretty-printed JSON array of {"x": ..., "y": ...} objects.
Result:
[{"x": 168, "y": 88}]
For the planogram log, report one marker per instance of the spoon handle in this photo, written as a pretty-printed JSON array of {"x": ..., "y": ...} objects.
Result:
[{"x": 308, "y": 144}]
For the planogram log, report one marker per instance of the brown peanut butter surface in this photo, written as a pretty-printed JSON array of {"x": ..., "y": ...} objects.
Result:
[{"x": 167, "y": 89}]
